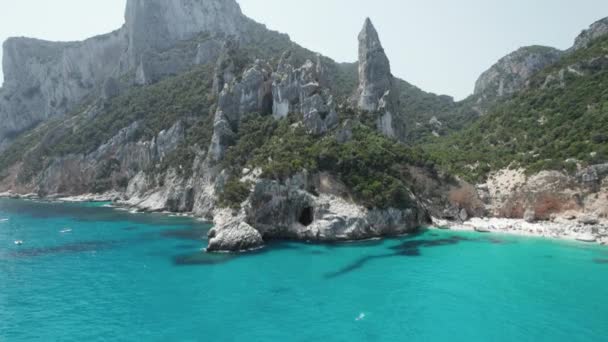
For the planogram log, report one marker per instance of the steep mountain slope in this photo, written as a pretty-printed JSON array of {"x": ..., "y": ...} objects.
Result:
[
  {"x": 558, "y": 121},
  {"x": 511, "y": 74}
]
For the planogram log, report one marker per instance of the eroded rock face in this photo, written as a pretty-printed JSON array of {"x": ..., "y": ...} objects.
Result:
[
  {"x": 232, "y": 234},
  {"x": 376, "y": 91},
  {"x": 114, "y": 166},
  {"x": 225, "y": 68},
  {"x": 289, "y": 210},
  {"x": 47, "y": 79},
  {"x": 595, "y": 31},
  {"x": 375, "y": 78},
  {"x": 301, "y": 90},
  {"x": 155, "y": 25},
  {"x": 511, "y": 73},
  {"x": 251, "y": 95}
]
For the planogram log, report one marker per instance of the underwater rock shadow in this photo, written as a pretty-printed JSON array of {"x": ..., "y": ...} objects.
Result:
[
  {"x": 359, "y": 263},
  {"x": 408, "y": 248},
  {"x": 192, "y": 234},
  {"x": 203, "y": 259},
  {"x": 187, "y": 246},
  {"x": 78, "y": 247},
  {"x": 601, "y": 261}
]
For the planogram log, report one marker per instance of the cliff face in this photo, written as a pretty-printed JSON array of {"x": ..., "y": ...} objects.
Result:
[
  {"x": 45, "y": 79},
  {"x": 377, "y": 92},
  {"x": 375, "y": 77},
  {"x": 48, "y": 79},
  {"x": 511, "y": 73},
  {"x": 155, "y": 25},
  {"x": 595, "y": 31}
]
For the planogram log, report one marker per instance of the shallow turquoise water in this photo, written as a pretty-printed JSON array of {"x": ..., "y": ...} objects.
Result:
[{"x": 122, "y": 277}]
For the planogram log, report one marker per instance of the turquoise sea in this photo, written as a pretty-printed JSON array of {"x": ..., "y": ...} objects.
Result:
[{"x": 90, "y": 273}]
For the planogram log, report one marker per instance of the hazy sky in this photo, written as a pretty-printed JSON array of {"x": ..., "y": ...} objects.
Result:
[{"x": 439, "y": 45}]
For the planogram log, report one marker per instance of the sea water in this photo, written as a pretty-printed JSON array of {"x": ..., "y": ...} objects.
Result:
[{"x": 86, "y": 272}]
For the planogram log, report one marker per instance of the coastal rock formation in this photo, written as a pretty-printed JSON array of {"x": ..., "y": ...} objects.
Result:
[
  {"x": 375, "y": 78},
  {"x": 301, "y": 90},
  {"x": 376, "y": 91},
  {"x": 237, "y": 99},
  {"x": 511, "y": 73},
  {"x": 48, "y": 79},
  {"x": 232, "y": 234},
  {"x": 595, "y": 31},
  {"x": 288, "y": 210}
]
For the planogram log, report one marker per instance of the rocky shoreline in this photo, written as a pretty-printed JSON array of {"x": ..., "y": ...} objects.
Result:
[
  {"x": 584, "y": 229},
  {"x": 587, "y": 229}
]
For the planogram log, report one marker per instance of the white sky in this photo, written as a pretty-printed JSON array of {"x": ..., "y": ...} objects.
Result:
[{"x": 439, "y": 45}]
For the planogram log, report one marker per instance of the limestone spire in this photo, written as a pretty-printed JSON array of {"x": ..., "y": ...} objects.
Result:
[{"x": 375, "y": 77}]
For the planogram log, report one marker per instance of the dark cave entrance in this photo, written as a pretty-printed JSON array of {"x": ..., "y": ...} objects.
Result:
[
  {"x": 267, "y": 103},
  {"x": 307, "y": 216}
]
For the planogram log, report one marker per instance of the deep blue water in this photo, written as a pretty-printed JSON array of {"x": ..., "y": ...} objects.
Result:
[{"x": 123, "y": 277}]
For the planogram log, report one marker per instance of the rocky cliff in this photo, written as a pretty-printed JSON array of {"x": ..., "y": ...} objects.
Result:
[
  {"x": 376, "y": 92},
  {"x": 159, "y": 38},
  {"x": 511, "y": 73},
  {"x": 595, "y": 31}
]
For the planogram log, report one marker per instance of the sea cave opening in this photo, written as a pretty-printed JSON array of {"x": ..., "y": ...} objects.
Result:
[{"x": 307, "y": 216}]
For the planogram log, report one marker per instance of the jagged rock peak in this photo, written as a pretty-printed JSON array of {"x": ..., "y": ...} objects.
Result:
[
  {"x": 595, "y": 31},
  {"x": 375, "y": 77},
  {"x": 512, "y": 72}
]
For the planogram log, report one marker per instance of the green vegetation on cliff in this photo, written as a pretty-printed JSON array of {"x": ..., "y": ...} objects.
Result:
[
  {"x": 155, "y": 107},
  {"x": 376, "y": 169},
  {"x": 561, "y": 118}
]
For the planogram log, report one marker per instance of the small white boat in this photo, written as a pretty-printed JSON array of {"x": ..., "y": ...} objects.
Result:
[
  {"x": 67, "y": 230},
  {"x": 360, "y": 317},
  {"x": 18, "y": 242},
  {"x": 482, "y": 230}
]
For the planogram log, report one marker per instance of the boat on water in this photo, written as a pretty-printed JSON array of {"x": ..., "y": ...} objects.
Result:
[
  {"x": 482, "y": 230},
  {"x": 18, "y": 242}
]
